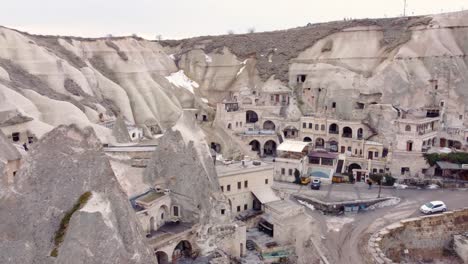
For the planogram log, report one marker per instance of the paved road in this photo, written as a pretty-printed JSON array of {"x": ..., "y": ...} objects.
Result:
[{"x": 344, "y": 238}]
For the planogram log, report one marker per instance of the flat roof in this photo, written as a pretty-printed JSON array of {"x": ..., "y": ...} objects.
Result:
[
  {"x": 417, "y": 120},
  {"x": 150, "y": 196},
  {"x": 237, "y": 168},
  {"x": 323, "y": 154},
  {"x": 293, "y": 146}
]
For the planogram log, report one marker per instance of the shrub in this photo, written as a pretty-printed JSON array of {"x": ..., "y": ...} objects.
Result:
[{"x": 60, "y": 234}]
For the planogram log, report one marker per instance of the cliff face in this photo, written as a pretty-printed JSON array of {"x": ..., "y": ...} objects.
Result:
[
  {"x": 63, "y": 166},
  {"x": 54, "y": 80},
  {"x": 352, "y": 63}
]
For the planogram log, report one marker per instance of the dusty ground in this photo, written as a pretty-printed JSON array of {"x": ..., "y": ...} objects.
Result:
[{"x": 344, "y": 240}]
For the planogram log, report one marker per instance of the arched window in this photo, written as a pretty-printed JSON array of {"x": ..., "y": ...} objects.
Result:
[{"x": 407, "y": 128}]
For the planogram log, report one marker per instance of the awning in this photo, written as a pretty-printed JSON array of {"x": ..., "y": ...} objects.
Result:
[
  {"x": 444, "y": 165},
  {"x": 292, "y": 146},
  {"x": 265, "y": 195}
]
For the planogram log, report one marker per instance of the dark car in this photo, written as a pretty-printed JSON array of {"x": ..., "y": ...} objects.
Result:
[{"x": 315, "y": 184}]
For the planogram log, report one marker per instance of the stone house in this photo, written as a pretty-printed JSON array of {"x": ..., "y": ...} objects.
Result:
[{"x": 10, "y": 158}]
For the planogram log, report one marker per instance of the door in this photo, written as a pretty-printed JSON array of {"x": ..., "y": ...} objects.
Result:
[
  {"x": 339, "y": 167},
  {"x": 370, "y": 155},
  {"x": 358, "y": 176},
  {"x": 343, "y": 149}
]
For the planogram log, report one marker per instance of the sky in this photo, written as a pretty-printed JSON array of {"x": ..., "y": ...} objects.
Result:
[{"x": 175, "y": 19}]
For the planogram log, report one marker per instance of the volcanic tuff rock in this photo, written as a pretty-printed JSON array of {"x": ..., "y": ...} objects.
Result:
[
  {"x": 183, "y": 164},
  {"x": 66, "y": 163}
]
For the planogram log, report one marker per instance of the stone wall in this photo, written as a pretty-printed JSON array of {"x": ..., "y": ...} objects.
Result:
[{"x": 420, "y": 238}]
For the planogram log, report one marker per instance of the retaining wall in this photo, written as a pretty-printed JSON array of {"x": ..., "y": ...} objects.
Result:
[{"x": 418, "y": 238}]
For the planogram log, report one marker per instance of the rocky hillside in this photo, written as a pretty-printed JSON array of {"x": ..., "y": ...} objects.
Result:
[
  {"x": 46, "y": 81},
  {"x": 66, "y": 206}
]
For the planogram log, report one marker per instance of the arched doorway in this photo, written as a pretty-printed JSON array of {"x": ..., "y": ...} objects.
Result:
[
  {"x": 216, "y": 147},
  {"x": 269, "y": 125},
  {"x": 347, "y": 132},
  {"x": 183, "y": 250},
  {"x": 319, "y": 143},
  {"x": 269, "y": 149},
  {"x": 358, "y": 174},
  {"x": 409, "y": 145},
  {"x": 255, "y": 146},
  {"x": 333, "y": 145},
  {"x": 162, "y": 257},
  {"x": 307, "y": 139},
  {"x": 163, "y": 215},
  {"x": 251, "y": 117},
  {"x": 333, "y": 129},
  {"x": 360, "y": 133}
]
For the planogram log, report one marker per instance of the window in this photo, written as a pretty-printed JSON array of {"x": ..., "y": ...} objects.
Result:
[
  {"x": 407, "y": 128},
  {"x": 175, "y": 210},
  {"x": 245, "y": 206},
  {"x": 15, "y": 136},
  {"x": 310, "y": 125},
  {"x": 290, "y": 172},
  {"x": 240, "y": 124},
  {"x": 374, "y": 170},
  {"x": 376, "y": 154},
  {"x": 14, "y": 173},
  {"x": 238, "y": 208},
  {"x": 314, "y": 160},
  {"x": 442, "y": 103},
  {"x": 283, "y": 171},
  {"x": 334, "y": 105},
  {"x": 304, "y": 125},
  {"x": 460, "y": 117},
  {"x": 239, "y": 185},
  {"x": 266, "y": 181},
  {"x": 349, "y": 149},
  {"x": 322, "y": 127},
  {"x": 222, "y": 188},
  {"x": 316, "y": 126},
  {"x": 223, "y": 211},
  {"x": 381, "y": 171},
  {"x": 404, "y": 170},
  {"x": 301, "y": 78},
  {"x": 327, "y": 162},
  {"x": 228, "y": 187},
  {"x": 272, "y": 98},
  {"x": 246, "y": 184}
]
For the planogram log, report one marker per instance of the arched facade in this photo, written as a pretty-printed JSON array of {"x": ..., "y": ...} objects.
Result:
[
  {"x": 269, "y": 148},
  {"x": 162, "y": 257},
  {"x": 333, "y": 129},
  {"x": 347, "y": 132},
  {"x": 255, "y": 146},
  {"x": 307, "y": 139},
  {"x": 163, "y": 215},
  {"x": 182, "y": 250},
  {"x": 360, "y": 133},
  {"x": 251, "y": 117},
  {"x": 319, "y": 143},
  {"x": 269, "y": 125}
]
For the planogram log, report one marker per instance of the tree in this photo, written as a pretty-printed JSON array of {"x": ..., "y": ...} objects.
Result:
[
  {"x": 159, "y": 37},
  {"x": 251, "y": 30},
  {"x": 230, "y": 32},
  {"x": 378, "y": 179},
  {"x": 297, "y": 176}
]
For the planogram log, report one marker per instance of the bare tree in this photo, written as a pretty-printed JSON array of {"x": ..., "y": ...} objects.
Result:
[
  {"x": 251, "y": 30},
  {"x": 230, "y": 32},
  {"x": 159, "y": 37}
]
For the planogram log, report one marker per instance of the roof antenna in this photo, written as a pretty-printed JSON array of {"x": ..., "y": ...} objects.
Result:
[{"x": 404, "y": 8}]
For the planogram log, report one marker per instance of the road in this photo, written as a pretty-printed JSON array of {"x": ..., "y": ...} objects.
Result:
[{"x": 344, "y": 240}]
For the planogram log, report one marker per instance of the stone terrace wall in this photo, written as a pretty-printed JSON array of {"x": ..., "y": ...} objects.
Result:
[{"x": 421, "y": 237}]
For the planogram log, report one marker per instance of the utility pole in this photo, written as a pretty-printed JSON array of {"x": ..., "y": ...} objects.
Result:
[{"x": 404, "y": 8}]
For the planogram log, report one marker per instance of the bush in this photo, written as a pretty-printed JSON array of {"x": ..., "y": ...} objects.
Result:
[
  {"x": 60, "y": 234},
  {"x": 457, "y": 157},
  {"x": 389, "y": 180}
]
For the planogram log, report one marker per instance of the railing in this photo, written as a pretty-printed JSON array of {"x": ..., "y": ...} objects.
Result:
[{"x": 333, "y": 132}]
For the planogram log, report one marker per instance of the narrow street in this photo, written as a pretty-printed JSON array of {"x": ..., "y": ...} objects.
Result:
[{"x": 343, "y": 239}]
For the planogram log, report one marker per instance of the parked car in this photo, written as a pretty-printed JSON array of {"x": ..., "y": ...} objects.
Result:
[
  {"x": 433, "y": 207},
  {"x": 305, "y": 180},
  {"x": 315, "y": 184}
]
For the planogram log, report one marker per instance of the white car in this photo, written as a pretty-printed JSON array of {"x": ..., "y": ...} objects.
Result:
[{"x": 433, "y": 207}]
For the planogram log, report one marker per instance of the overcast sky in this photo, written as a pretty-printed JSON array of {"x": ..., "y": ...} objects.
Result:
[{"x": 187, "y": 18}]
